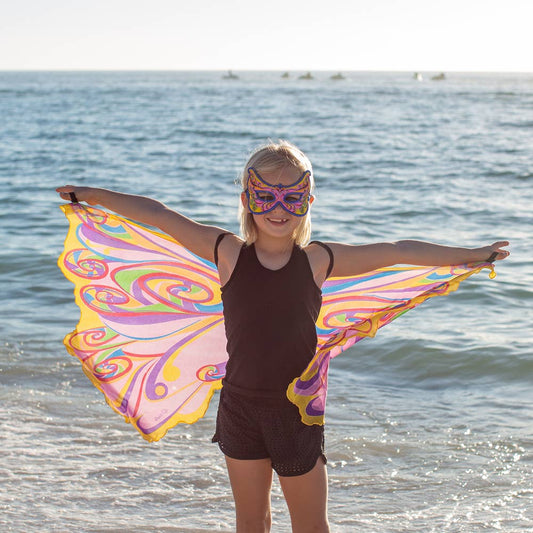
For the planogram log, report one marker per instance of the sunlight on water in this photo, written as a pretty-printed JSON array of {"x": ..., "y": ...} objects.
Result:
[{"x": 428, "y": 425}]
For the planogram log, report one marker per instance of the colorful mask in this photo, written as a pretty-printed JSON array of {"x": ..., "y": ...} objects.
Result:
[{"x": 264, "y": 197}]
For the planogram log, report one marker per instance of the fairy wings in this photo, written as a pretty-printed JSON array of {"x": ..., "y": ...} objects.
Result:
[{"x": 151, "y": 331}]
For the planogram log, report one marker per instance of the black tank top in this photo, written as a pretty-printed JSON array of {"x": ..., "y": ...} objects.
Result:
[{"x": 270, "y": 320}]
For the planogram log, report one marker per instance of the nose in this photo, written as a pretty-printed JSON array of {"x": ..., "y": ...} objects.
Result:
[{"x": 278, "y": 210}]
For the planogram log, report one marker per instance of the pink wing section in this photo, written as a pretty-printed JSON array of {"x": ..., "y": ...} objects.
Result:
[
  {"x": 151, "y": 334},
  {"x": 355, "y": 308}
]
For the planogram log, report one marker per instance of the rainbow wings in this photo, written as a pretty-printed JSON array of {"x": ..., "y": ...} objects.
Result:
[
  {"x": 356, "y": 307},
  {"x": 151, "y": 333}
]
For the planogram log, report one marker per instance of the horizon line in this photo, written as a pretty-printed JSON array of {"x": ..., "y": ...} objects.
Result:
[{"x": 402, "y": 70}]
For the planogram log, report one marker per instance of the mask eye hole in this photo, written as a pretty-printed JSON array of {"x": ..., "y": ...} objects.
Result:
[
  {"x": 265, "y": 196},
  {"x": 292, "y": 198}
]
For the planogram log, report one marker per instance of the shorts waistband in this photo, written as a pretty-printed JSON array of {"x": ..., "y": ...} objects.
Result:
[{"x": 254, "y": 394}]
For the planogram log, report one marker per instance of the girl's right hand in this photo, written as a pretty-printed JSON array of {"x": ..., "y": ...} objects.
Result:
[{"x": 83, "y": 194}]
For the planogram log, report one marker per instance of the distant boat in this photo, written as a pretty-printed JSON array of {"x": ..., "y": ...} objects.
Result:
[
  {"x": 230, "y": 76},
  {"x": 285, "y": 75},
  {"x": 338, "y": 76},
  {"x": 307, "y": 76},
  {"x": 417, "y": 76},
  {"x": 439, "y": 77}
]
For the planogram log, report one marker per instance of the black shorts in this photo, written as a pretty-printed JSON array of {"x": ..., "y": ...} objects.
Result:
[{"x": 260, "y": 428}]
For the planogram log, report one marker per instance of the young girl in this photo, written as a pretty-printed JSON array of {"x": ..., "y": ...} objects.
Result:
[{"x": 272, "y": 336}]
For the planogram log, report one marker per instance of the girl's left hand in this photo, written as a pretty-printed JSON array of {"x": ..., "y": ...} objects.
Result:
[{"x": 496, "y": 248}]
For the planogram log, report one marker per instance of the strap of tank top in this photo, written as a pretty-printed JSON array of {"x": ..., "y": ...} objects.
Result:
[
  {"x": 217, "y": 242},
  {"x": 330, "y": 253}
]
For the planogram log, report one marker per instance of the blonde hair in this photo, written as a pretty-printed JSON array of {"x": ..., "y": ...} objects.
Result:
[{"x": 270, "y": 158}]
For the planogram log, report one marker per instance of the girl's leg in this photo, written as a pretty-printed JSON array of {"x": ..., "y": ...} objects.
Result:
[
  {"x": 307, "y": 499},
  {"x": 251, "y": 481}
]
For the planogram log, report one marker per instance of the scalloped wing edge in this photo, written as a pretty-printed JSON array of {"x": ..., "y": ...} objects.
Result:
[
  {"x": 174, "y": 420},
  {"x": 302, "y": 401}
]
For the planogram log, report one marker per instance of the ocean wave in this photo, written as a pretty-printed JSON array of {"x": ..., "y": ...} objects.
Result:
[
  {"x": 422, "y": 365},
  {"x": 525, "y": 124}
]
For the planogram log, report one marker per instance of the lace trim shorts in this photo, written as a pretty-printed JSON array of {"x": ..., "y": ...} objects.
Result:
[{"x": 259, "y": 428}]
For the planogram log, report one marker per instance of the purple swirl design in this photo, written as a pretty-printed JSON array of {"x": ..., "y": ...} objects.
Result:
[
  {"x": 176, "y": 290},
  {"x": 85, "y": 267},
  {"x": 96, "y": 297}
]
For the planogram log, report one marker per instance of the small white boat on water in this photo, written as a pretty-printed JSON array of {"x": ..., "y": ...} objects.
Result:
[{"x": 230, "y": 76}]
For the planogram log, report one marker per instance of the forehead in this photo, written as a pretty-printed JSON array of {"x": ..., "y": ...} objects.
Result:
[{"x": 286, "y": 175}]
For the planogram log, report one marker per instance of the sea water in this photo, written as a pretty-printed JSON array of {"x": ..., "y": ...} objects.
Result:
[{"x": 429, "y": 425}]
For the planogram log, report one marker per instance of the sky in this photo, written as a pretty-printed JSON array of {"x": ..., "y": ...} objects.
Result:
[{"x": 298, "y": 35}]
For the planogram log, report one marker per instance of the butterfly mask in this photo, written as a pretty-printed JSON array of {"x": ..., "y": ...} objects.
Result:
[{"x": 264, "y": 197}]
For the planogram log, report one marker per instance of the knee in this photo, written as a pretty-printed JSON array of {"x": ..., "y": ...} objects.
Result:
[
  {"x": 317, "y": 526},
  {"x": 259, "y": 524},
  {"x": 322, "y": 528}
]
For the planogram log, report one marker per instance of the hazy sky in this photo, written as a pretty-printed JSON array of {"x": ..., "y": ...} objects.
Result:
[{"x": 425, "y": 35}]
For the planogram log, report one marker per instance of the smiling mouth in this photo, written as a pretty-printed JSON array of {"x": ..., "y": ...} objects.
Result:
[{"x": 278, "y": 221}]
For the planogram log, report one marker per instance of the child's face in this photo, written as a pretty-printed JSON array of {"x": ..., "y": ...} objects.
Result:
[{"x": 277, "y": 211}]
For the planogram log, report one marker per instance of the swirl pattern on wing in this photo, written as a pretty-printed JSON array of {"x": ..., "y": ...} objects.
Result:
[
  {"x": 151, "y": 334},
  {"x": 84, "y": 264},
  {"x": 356, "y": 307}
]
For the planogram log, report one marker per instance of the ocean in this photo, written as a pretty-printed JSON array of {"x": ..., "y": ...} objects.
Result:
[{"x": 429, "y": 425}]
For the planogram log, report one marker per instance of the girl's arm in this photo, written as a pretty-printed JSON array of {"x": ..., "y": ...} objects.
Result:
[
  {"x": 353, "y": 260},
  {"x": 198, "y": 238}
]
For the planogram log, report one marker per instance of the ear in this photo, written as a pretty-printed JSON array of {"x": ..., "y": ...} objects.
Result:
[{"x": 244, "y": 201}]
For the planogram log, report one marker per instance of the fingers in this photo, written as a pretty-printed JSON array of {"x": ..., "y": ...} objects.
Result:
[
  {"x": 69, "y": 193},
  {"x": 503, "y": 255},
  {"x": 500, "y": 244},
  {"x": 69, "y": 197},
  {"x": 497, "y": 252}
]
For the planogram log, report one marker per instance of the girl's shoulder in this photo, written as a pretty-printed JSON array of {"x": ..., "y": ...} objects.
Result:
[
  {"x": 227, "y": 252},
  {"x": 320, "y": 259}
]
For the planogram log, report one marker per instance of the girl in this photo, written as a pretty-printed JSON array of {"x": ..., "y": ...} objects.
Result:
[{"x": 272, "y": 336}]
